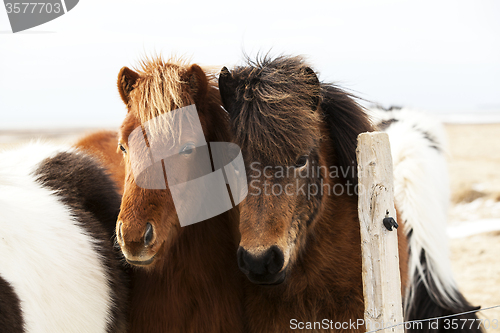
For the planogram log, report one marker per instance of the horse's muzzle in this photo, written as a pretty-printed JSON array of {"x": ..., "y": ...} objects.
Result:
[
  {"x": 140, "y": 251},
  {"x": 265, "y": 268}
]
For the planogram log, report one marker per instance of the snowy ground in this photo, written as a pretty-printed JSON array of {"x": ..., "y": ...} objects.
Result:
[{"x": 470, "y": 228}]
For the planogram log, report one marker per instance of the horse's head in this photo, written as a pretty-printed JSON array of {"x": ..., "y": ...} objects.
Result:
[
  {"x": 148, "y": 222},
  {"x": 273, "y": 110}
]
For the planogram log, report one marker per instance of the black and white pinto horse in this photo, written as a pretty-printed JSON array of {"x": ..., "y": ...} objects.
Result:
[
  {"x": 421, "y": 193},
  {"x": 58, "y": 269}
]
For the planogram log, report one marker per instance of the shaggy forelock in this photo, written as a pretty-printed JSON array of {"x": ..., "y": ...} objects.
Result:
[
  {"x": 162, "y": 87},
  {"x": 275, "y": 116}
]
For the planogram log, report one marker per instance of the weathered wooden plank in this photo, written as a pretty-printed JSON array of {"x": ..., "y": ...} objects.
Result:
[{"x": 381, "y": 278}]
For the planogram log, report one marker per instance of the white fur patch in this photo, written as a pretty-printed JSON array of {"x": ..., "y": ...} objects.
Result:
[
  {"x": 421, "y": 190},
  {"x": 45, "y": 255}
]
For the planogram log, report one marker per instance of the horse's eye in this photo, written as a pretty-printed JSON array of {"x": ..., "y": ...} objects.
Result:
[
  {"x": 187, "y": 149},
  {"x": 302, "y": 161},
  {"x": 122, "y": 148}
]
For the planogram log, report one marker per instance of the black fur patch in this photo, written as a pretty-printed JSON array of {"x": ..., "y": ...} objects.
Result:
[
  {"x": 432, "y": 141},
  {"x": 84, "y": 186},
  {"x": 424, "y": 307},
  {"x": 385, "y": 124},
  {"x": 394, "y": 107},
  {"x": 11, "y": 316},
  {"x": 390, "y": 108}
]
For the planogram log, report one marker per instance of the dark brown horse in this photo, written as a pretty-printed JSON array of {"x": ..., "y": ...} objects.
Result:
[
  {"x": 185, "y": 279},
  {"x": 300, "y": 237},
  {"x": 299, "y": 223}
]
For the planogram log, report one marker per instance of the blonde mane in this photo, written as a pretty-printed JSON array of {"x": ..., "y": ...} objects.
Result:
[{"x": 163, "y": 86}]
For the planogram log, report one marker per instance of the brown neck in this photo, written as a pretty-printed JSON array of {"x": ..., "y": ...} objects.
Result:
[
  {"x": 201, "y": 244},
  {"x": 197, "y": 286}
]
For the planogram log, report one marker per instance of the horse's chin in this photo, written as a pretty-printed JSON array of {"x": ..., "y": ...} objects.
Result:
[{"x": 270, "y": 281}]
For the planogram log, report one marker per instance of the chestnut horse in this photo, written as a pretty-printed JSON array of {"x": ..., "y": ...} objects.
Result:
[
  {"x": 300, "y": 237},
  {"x": 185, "y": 279}
]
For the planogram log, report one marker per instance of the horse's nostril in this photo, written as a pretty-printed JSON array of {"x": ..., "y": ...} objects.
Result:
[
  {"x": 119, "y": 235},
  {"x": 148, "y": 234},
  {"x": 275, "y": 259},
  {"x": 242, "y": 255}
]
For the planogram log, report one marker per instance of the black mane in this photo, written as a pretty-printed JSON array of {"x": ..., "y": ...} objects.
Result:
[
  {"x": 273, "y": 104},
  {"x": 345, "y": 119}
]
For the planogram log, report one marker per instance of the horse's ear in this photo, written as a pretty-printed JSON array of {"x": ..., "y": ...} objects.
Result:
[
  {"x": 198, "y": 82},
  {"x": 126, "y": 81},
  {"x": 313, "y": 81},
  {"x": 227, "y": 88}
]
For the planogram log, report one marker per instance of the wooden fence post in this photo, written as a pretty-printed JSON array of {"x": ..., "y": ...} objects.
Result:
[{"x": 381, "y": 278}]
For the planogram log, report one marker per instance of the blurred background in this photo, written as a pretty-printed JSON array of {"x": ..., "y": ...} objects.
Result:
[
  {"x": 58, "y": 80},
  {"x": 441, "y": 56}
]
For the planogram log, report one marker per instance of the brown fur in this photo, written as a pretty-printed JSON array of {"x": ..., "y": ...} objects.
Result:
[
  {"x": 104, "y": 146},
  {"x": 275, "y": 120},
  {"x": 193, "y": 283},
  {"x": 11, "y": 315}
]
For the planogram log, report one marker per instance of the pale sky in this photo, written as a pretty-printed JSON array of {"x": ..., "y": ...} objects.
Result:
[{"x": 440, "y": 56}]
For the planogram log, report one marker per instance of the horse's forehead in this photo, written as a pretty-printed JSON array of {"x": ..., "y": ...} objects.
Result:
[
  {"x": 277, "y": 142},
  {"x": 129, "y": 124},
  {"x": 160, "y": 99},
  {"x": 285, "y": 155}
]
